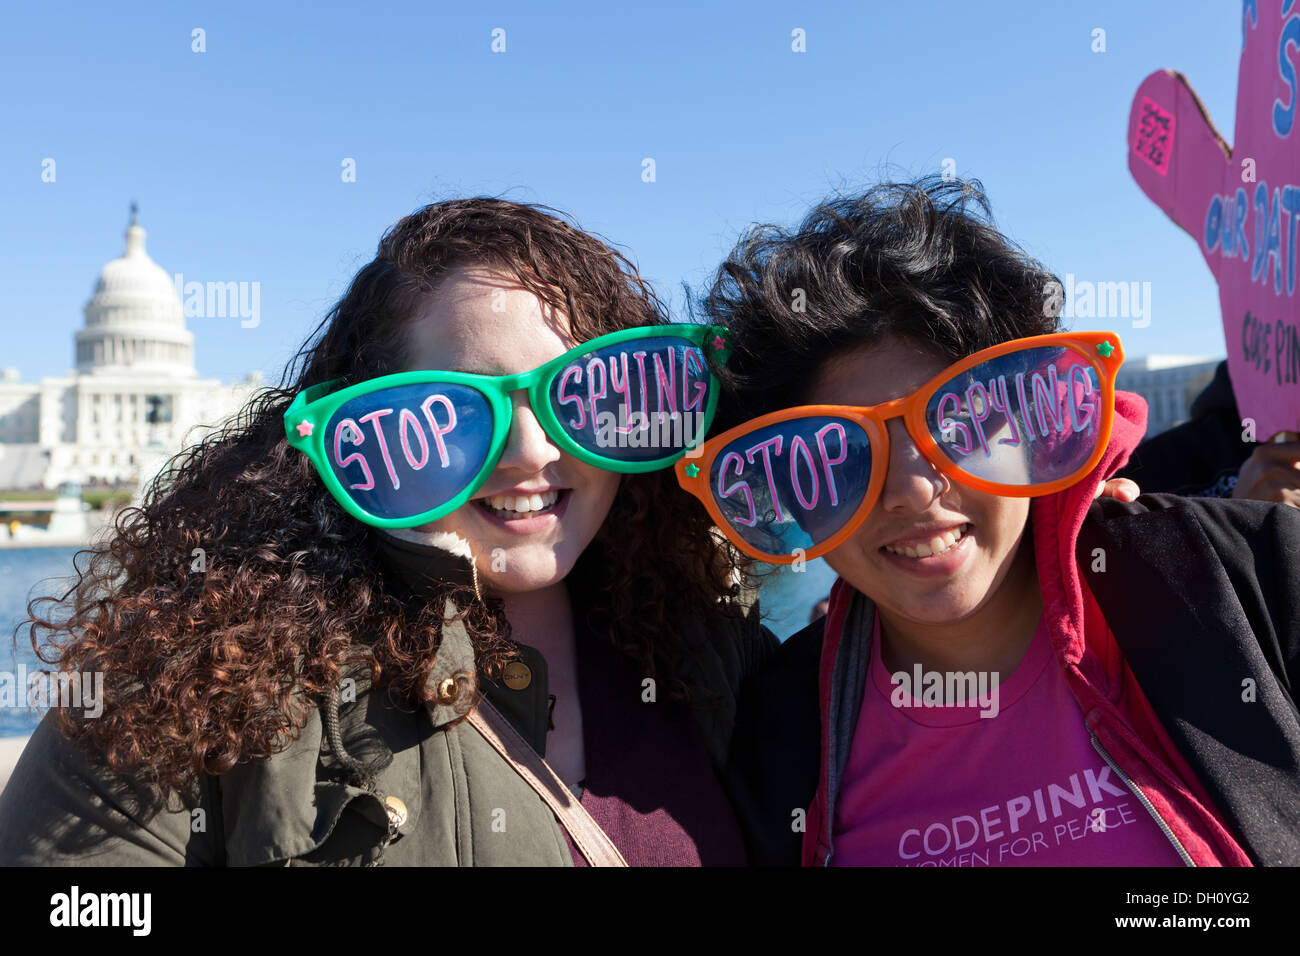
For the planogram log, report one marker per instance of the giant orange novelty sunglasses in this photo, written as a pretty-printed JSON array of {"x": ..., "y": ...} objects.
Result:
[{"x": 1028, "y": 417}]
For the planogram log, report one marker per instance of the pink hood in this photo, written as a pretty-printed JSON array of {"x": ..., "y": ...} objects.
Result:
[
  {"x": 1057, "y": 520},
  {"x": 1114, "y": 706}
]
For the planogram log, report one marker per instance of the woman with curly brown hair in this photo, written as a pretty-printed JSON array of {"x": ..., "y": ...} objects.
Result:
[{"x": 434, "y": 556}]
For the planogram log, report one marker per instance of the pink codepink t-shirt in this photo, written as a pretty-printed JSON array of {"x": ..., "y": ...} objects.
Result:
[{"x": 943, "y": 786}]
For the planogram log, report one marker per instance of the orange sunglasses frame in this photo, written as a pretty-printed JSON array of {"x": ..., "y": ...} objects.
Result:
[{"x": 693, "y": 471}]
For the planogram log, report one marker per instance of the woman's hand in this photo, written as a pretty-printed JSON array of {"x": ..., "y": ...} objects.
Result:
[
  {"x": 1122, "y": 489},
  {"x": 1272, "y": 473}
]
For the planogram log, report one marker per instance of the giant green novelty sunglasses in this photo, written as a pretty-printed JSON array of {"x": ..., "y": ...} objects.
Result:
[{"x": 405, "y": 449}]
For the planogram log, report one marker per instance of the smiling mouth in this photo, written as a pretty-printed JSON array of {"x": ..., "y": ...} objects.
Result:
[
  {"x": 515, "y": 507},
  {"x": 939, "y": 544}
]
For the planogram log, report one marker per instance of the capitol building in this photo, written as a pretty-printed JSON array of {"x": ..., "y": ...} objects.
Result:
[{"x": 134, "y": 398}]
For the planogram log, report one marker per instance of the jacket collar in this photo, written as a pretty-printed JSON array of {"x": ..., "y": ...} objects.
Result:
[{"x": 427, "y": 562}]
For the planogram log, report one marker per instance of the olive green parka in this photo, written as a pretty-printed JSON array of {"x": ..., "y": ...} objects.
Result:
[{"x": 365, "y": 783}]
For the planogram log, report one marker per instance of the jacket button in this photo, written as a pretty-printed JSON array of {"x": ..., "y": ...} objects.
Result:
[
  {"x": 396, "y": 810},
  {"x": 517, "y": 675},
  {"x": 447, "y": 691}
]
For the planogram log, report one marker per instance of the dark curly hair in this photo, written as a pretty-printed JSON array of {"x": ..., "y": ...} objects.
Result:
[
  {"x": 920, "y": 261},
  {"x": 203, "y": 671}
]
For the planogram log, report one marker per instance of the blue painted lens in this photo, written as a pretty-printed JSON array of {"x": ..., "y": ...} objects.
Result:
[
  {"x": 399, "y": 452},
  {"x": 1025, "y": 418},
  {"x": 792, "y": 484},
  {"x": 636, "y": 401}
]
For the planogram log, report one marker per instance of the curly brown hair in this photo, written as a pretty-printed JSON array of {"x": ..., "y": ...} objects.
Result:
[{"x": 203, "y": 671}]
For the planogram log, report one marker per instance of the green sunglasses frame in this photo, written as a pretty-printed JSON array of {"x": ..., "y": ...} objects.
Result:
[{"x": 306, "y": 419}]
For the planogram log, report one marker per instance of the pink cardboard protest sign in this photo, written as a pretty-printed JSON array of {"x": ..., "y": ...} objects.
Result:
[{"x": 1240, "y": 203}]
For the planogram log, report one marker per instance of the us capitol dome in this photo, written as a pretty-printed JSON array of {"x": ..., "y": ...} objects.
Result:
[
  {"x": 134, "y": 321},
  {"x": 134, "y": 397}
]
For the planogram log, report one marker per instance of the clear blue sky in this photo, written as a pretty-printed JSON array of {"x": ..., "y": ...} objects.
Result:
[{"x": 235, "y": 154}]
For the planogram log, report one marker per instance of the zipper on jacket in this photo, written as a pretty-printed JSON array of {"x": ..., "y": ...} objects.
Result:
[{"x": 1186, "y": 857}]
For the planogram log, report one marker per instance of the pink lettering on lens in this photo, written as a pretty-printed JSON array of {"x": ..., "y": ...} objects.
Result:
[
  {"x": 620, "y": 388},
  {"x": 592, "y": 365},
  {"x": 1055, "y": 403},
  {"x": 701, "y": 383},
  {"x": 1045, "y": 397},
  {"x": 997, "y": 385},
  {"x": 349, "y": 427},
  {"x": 796, "y": 445},
  {"x": 827, "y": 461},
  {"x": 1024, "y": 406},
  {"x": 949, "y": 425},
  {"x": 743, "y": 486},
  {"x": 619, "y": 381},
  {"x": 439, "y": 431},
  {"x": 1083, "y": 387},
  {"x": 408, "y": 422},
  {"x": 800, "y": 449},
  {"x": 574, "y": 372},
  {"x": 640, "y": 367},
  {"x": 764, "y": 446},
  {"x": 665, "y": 384},
  {"x": 978, "y": 418},
  {"x": 373, "y": 419}
]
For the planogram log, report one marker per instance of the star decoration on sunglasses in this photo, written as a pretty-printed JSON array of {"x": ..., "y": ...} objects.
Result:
[
  {"x": 692, "y": 470},
  {"x": 304, "y": 428},
  {"x": 1104, "y": 349}
]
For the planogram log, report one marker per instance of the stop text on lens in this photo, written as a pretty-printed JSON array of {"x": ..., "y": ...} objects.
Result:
[
  {"x": 349, "y": 430},
  {"x": 808, "y": 466}
]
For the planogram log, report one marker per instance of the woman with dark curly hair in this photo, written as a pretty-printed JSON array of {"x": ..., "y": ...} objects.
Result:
[{"x": 439, "y": 552}]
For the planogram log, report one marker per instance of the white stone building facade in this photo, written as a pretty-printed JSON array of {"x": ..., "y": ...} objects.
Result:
[
  {"x": 134, "y": 397},
  {"x": 1169, "y": 383}
]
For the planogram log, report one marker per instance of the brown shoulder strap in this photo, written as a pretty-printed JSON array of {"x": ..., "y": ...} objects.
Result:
[{"x": 587, "y": 835}]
